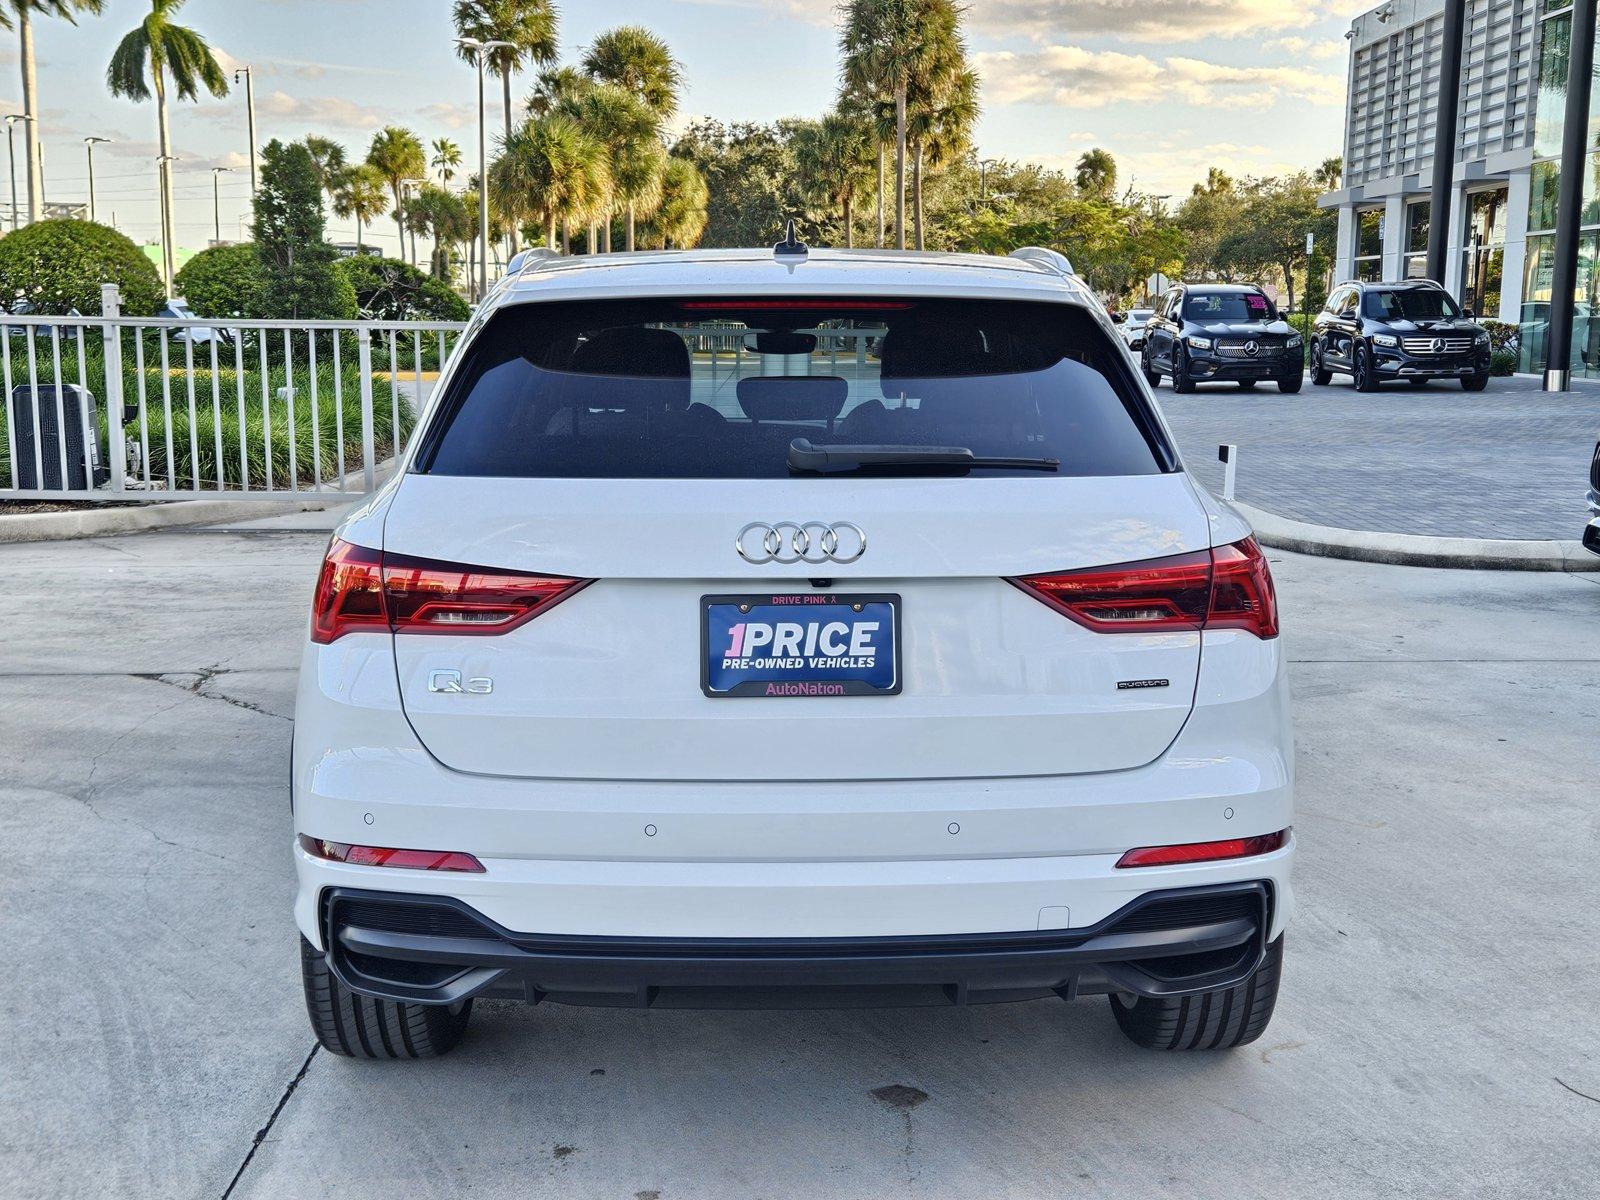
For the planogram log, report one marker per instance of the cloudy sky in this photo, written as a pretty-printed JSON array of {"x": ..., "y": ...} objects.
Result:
[{"x": 1171, "y": 87}]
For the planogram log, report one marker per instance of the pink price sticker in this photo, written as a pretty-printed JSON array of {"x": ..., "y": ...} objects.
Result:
[{"x": 1256, "y": 303}]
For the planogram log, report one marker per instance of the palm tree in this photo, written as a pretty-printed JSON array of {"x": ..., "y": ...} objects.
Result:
[
  {"x": 1096, "y": 174},
  {"x": 1329, "y": 173},
  {"x": 24, "y": 9},
  {"x": 680, "y": 218},
  {"x": 942, "y": 108},
  {"x": 885, "y": 49},
  {"x": 446, "y": 158},
  {"x": 630, "y": 132},
  {"x": 637, "y": 60},
  {"x": 358, "y": 193},
  {"x": 139, "y": 68},
  {"x": 327, "y": 158},
  {"x": 397, "y": 156},
  {"x": 834, "y": 157},
  {"x": 555, "y": 87},
  {"x": 550, "y": 170},
  {"x": 529, "y": 25}
]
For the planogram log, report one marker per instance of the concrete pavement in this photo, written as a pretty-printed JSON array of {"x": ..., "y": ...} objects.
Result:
[{"x": 1433, "y": 1038}]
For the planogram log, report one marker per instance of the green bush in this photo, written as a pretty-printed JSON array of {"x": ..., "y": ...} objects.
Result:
[
  {"x": 58, "y": 266},
  {"x": 224, "y": 281},
  {"x": 1503, "y": 362},
  {"x": 300, "y": 268},
  {"x": 1503, "y": 336},
  {"x": 390, "y": 290}
]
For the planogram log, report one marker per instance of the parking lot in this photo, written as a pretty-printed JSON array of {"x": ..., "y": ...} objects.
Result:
[{"x": 1435, "y": 1037}]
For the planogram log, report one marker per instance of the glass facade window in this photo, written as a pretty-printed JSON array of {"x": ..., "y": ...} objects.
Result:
[
  {"x": 1369, "y": 245},
  {"x": 1485, "y": 252},
  {"x": 1417, "y": 220}
]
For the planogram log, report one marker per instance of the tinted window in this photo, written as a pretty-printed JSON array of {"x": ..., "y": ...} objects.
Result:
[
  {"x": 1228, "y": 306},
  {"x": 1410, "y": 304},
  {"x": 708, "y": 389}
]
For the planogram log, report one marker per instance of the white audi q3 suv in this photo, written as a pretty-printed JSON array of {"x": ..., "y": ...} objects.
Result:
[{"x": 771, "y": 627}]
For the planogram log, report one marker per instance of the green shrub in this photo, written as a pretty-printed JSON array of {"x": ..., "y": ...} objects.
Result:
[
  {"x": 1503, "y": 362},
  {"x": 390, "y": 290},
  {"x": 300, "y": 268},
  {"x": 224, "y": 281},
  {"x": 58, "y": 266},
  {"x": 1503, "y": 336}
]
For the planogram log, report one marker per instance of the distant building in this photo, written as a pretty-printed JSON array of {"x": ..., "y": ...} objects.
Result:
[
  {"x": 1505, "y": 173},
  {"x": 350, "y": 249}
]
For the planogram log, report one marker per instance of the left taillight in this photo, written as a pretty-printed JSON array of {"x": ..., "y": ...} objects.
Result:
[
  {"x": 1229, "y": 587},
  {"x": 362, "y": 589}
]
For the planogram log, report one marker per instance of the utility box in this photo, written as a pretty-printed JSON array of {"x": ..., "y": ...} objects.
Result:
[{"x": 77, "y": 429}]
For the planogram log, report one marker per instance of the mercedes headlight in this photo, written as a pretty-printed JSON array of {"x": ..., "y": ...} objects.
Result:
[
  {"x": 1198, "y": 343},
  {"x": 1385, "y": 339},
  {"x": 1294, "y": 340}
]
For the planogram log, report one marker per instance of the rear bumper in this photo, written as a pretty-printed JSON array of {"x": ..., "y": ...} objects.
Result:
[{"x": 437, "y": 950}]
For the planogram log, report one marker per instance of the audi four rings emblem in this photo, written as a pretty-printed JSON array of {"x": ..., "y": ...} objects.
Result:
[{"x": 811, "y": 542}]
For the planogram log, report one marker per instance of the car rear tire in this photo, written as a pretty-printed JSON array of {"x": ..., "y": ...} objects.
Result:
[
  {"x": 1216, "y": 1020},
  {"x": 1474, "y": 383},
  {"x": 1320, "y": 375},
  {"x": 1291, "y": 383},
  {"x": 361, "y": 1027},
  {"x": 1365, "y": 382},
  {"x": 1181, "y": 383}
]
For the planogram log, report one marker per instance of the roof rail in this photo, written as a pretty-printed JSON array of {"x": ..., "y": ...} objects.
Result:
[
  {"x": 1043, "y": 256},
  {"x": 532, "y": 254}
]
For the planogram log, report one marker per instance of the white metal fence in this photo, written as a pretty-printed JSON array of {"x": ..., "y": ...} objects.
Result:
[{"x": 138, "y": 408}]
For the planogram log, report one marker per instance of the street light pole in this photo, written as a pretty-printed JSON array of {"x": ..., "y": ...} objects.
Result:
[
  {"x": 216, "y": 203},
  {"x": 480, "y": 53},
  {"x": 250, "y": 116},
  {"x": 11, "y": 156},
  {"x": 88, "y": 149},
  {"x": 983, "y": 177}
]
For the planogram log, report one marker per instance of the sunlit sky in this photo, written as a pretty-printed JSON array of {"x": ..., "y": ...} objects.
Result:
[{"x": 1171, "y": 87}]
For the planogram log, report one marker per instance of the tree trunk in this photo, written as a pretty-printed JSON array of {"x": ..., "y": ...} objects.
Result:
[
  {"x": 916, "y": 185},
  {"x": 550, "y": 232},
  {"x": 880, "y": 195},
  {"x": 30, "y": 93},
  {"x": 358, "y": 235},
  {"x": 400, "y": 218},
  {"x": 630, "y": 227},
  {"x": 505, "y": 83},
  {"x": 566, "y": 235},
  {"x": 592, "y": 239},
  {"x": 610, "y": 221},
  {"x": 168, "y": 252},
  {"x": 849, "y": 234},
  {"x": 900, "y": 167}
]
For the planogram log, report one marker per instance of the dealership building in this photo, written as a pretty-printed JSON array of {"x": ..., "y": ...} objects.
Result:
[{"x": 1501, "y": 238}]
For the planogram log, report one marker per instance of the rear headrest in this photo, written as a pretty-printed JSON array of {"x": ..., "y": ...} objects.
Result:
[
  {"x": 930, "y": 351},
  {"x": 792, "y": 397},
  {"x": 632, "y": 350}
]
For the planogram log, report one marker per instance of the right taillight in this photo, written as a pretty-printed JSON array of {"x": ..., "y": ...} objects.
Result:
[
  {"x": 362, "y": 589},
  {"x": 1229, "y": 587}
]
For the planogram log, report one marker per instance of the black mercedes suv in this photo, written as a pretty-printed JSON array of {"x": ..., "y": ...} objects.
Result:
[
  {"x": 1227, "y": 333},
  {"x": 1376, "y": 332}
]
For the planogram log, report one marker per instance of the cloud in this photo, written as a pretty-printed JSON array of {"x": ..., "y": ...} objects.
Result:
[
  {"x": 316, "y": 112},
  {"x": 1147, "y": 20},
  {"x": 810, "y": 12},
  {"x": 451, "y": 116},
  {"x": 1074, "y": 77},
  {"x": 1321, "y": 49}
]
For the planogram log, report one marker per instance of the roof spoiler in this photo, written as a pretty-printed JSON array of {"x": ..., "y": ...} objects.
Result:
[
  {"x": 529, "y": 256},
  {"x": 1042, "y": 256}
]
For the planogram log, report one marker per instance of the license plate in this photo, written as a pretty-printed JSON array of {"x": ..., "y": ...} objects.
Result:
[{"x": 800, "y": 644}]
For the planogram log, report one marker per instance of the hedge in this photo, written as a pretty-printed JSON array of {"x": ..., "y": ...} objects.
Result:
[
  {"x": 58, "y": 266},
  {"x": 224, "y": 281}
]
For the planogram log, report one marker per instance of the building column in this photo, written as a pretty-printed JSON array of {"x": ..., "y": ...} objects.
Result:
[
  {"x": 1569, "y": 206},
  {"x": 1394, "y": 237},
  {"x": 1455, "y": 275},
  {"x": 1344, "y": 246},
  {"x": 1515, "y": 263}
]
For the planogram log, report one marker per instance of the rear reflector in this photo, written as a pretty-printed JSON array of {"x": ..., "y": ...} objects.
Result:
[
  {"x": 1194, "y": 852},
  {"x": 384, "y": 856},
  {"x": 1229, "y": 587},
  {"x": 362, "y": 589}
]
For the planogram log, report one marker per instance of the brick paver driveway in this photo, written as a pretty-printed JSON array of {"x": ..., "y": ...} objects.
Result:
[{"x": 1511, "y": 462}]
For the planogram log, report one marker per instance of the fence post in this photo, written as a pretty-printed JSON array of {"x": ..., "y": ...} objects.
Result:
[
  {"x": 1229, "y": 454},
  {"x": 116, "y": 437},
  {"x": 364, "y": 343}
]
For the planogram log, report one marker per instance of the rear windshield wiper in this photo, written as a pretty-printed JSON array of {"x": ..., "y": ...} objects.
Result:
[{"x": 820, "y": 460}]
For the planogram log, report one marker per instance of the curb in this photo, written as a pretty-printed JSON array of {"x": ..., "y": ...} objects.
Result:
[
  {"x": 99, "y": 522},
  {"x": 1417, "y": 550}
]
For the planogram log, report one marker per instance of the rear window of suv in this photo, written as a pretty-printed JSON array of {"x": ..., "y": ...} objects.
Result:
[{"x": 714, "y": 388}]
